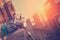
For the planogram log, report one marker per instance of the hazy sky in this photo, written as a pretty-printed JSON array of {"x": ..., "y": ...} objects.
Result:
[{"x": 27, "y": 7}]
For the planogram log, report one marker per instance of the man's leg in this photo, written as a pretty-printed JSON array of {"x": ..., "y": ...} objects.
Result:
[
  {"x": 2, "y": 38},
  {"x": 5, "y": 37}
]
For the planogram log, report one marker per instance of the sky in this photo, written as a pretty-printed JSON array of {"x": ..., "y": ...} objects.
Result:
[{"x": 27, "y": 7}]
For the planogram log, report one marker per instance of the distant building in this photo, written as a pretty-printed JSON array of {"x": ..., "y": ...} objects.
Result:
[{"x": 46, "y": 18}]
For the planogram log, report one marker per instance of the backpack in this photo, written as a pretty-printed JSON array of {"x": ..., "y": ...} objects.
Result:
[{"x": 11, "y": 28}]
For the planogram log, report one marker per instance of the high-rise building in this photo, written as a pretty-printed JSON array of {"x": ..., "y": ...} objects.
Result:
[{"x": 6, "y": 10}]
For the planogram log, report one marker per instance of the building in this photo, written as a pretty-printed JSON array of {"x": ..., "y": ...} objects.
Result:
[{"x": 6, "y": 10}]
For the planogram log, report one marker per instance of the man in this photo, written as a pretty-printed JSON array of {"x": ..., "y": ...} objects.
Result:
[
  {"x": 3, "y": 32},
  {"x": 18, "y": 21}
]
